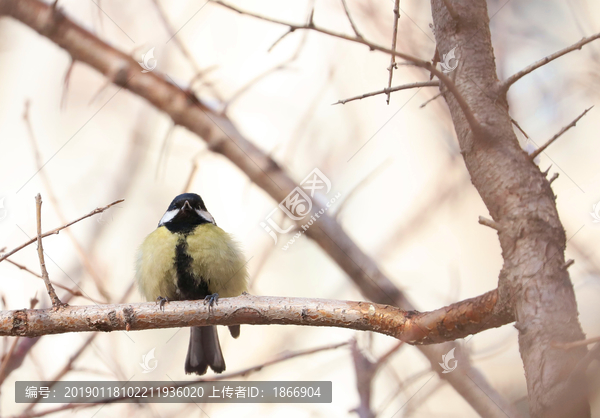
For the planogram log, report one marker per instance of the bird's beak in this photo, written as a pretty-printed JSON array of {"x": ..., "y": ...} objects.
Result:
[{"x": 186, "y": 206}]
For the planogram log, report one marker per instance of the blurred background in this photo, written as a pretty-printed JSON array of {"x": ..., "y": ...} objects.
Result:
[{"x": 405, "y": 195}]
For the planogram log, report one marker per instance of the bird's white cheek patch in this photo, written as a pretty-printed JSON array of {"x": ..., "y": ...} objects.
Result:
[
  {"x": 204, "y": 214},
  {"x": 170, "y": 214}
]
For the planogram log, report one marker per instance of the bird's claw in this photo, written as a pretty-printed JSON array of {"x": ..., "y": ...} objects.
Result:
[
  {"x": 161, "y": 301},
  {"x": 211, "y": 300}
]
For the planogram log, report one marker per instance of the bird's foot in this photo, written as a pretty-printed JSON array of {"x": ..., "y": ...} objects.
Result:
[
  {"x": 161, "y": 301},
  {"x": 211, "y": 300}
]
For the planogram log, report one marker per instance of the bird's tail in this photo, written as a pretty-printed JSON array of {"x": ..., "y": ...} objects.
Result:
[{"x": 204, "y": 351}]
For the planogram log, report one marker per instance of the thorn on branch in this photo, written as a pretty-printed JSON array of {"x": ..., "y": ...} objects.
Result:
[
  {"x": 568, "y": 264},
  {"x": 554, "y": 177}
]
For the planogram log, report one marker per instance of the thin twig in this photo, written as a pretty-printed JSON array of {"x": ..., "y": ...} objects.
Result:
[
  {"x": 56, "y": 303},
  {"x": 475, "y": 126},
  {"x": 55, "y": 284},
  {"x": 57, "y": 230},
  {"x": 555, "y": 137},
  {"x": 390, "y": 90},
  {"x": 354, "y": 28},
  {"x": 515, "y": 77},
  {"x": 440, "y": 94},
  {"x": 393, "y": 58}
]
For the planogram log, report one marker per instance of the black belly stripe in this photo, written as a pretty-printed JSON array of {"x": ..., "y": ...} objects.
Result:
[{"x": 189, "y": 285}]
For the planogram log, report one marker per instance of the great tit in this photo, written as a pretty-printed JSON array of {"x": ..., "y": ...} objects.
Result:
[{"x": 188, "y": 257}]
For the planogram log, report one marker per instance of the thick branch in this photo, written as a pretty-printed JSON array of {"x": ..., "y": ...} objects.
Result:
[
  {"x": 245, "y": 309},
  {"x": 533, "y": 283},
  {"x": 445, "y": 324}
]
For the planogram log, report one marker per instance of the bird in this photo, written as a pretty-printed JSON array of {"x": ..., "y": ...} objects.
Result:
[{"x": 188, "y": 257}]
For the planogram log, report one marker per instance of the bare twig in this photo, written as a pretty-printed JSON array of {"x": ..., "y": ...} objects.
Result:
[
  {"x": 55, "y": 284},
  {"x": 390, "y": 90},
  {"x": 56, "y": 303},
  {"x": 555, "y": 137},
  {"x": 475, "y": 126},
  {"x": 354, "y": 28},
  {"x": 57, "y": 230},
  {"x": 393, "y": 58},
  {"x": 517, "y": 76}
]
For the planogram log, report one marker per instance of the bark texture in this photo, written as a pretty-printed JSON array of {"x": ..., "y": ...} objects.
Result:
[{"x": 533, "y": 282}]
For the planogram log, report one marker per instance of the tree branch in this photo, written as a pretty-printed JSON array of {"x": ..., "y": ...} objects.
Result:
[
  {"x": 393, "y": 58},
  {"x": 517, "y": 76},
  {"x": 56, "y": 303},
  {"x": 555, "y": 137},
  {"x": 390, "y": 90},
  {"x": 445, "y": 324},
  {"x": 476, "y": 127},
  {"x": 57, "y": 230}
]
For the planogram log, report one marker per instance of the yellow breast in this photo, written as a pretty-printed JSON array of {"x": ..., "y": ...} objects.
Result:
[{"x": 216, "y": 258}]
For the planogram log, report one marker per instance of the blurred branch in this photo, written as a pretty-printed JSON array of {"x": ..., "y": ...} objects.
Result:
[
  {"x": 57, "y": 230},
  {"x": 349, "y": 16},
  {"x": 55, "y": 284},
  {"x": 517, "y": 76},
  {"x": 83, "y": 255},
  {"x": 390, "y": 90},
  {"x": 411, "y": 327},
  {"x": 555, "y": 137}
]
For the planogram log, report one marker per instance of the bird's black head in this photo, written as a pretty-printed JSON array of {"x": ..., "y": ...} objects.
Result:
[{"x": 186, "y": 212}]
